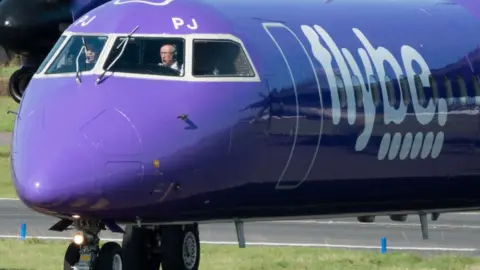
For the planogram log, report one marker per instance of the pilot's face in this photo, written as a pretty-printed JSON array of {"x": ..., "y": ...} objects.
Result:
[
  {"x": 90, "y": 55},
  {"x": 166, "y": 54}
]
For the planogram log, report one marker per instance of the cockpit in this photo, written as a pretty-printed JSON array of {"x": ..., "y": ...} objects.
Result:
[
  {"x": 192, "y": 57},
  {"x": 79, "y": 53}
]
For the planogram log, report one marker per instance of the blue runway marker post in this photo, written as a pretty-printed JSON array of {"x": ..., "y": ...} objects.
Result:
[
  {"x": 384, "y": 245},
  {"x": 23, "y": 231}
]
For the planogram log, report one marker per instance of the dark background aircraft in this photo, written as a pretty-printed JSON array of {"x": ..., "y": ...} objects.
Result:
[{"x": 29, "y": 30}]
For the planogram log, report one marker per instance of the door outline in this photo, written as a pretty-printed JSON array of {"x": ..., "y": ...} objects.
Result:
[{"x": 266, "y": 26}]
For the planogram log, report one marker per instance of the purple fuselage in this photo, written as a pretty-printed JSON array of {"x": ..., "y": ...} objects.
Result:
[{"x": 311, "y": 134}]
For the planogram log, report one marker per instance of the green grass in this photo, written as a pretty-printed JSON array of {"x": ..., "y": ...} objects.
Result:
[
  {"x": 6, "y": 186},
  {"x": 6, "y": 125},
  {"x": 6, "y": 71},
  {"x": 48, "y": 255},
  {"x": 6, "y": 102},
  {"x": 7, "y": 120}
]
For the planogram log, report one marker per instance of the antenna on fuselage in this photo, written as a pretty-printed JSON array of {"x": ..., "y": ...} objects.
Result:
[{"x": 124, "y": 43}]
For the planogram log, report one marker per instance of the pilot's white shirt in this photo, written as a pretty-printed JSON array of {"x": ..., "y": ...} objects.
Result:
[{"x": 174, "y": 66}]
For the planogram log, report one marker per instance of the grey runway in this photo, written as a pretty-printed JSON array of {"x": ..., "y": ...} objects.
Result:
[
  {"x": 452, "y": 233},
  {"x": 5, "y": 138}
]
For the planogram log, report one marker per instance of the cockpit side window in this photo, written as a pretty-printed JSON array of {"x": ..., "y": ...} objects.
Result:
[
  {"x": 147, "y": 55},
  {"x": 51, "y": 53},
  {"x": 79, "y": 50},
  {"x": 220, "y": 58}
]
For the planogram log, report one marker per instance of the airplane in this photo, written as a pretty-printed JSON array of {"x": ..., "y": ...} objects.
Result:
[
  {"x": 273, "y": 110},
  {"x": 31, "y": 28}
]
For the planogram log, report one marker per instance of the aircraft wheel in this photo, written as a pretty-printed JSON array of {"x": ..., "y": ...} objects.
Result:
[
  {"x": 137, "y": 253},
  {"x": 72, "y": 256},
  {"x": 18, "y": 82},
  {"x": 180, "y": 247},
  {"x": 109, "y": 257}
]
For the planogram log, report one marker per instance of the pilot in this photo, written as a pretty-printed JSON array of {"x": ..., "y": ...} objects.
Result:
[
  {"x": 91, "y": 53},
  {"x": 90, "y": 56},
  {"x": 168, "y": 53}
]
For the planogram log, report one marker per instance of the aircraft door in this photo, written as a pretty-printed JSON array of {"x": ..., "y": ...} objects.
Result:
[{"x": 295, "y": 119}]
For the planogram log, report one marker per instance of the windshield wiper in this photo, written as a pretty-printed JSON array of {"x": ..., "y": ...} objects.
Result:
[
  {"x": 84, "y": 48},
  {"x": 124, "y": 44},
  {"x": 77, "y": 70}
]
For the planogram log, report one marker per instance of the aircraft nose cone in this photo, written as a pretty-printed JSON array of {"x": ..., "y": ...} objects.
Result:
[
  {"x": 70, "y": 150},
  {"x": 47, "y": 174},
  {"x": 37, "y": 190}
]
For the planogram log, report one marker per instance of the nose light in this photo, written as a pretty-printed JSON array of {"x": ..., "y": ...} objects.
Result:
[{"x": 78, "y": 238}]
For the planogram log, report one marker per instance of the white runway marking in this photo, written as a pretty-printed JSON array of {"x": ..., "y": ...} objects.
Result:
[
  {"x": 273, "y": 244},
  {"x": 383, "y": 224}
]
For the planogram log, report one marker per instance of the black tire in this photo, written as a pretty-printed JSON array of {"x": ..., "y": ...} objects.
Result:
[
  {"x": 18, "y": 82},
  {"x": 178, "y": 241},
  {"x": 136, "y": 253},
  {"x": 72, "y": 256},
  {"x": 109, "y": 252}
]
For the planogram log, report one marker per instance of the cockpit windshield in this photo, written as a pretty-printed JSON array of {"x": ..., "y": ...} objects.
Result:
[
  {"x": 147, "y": 55},
  {"x": 220, "y": 58},
  {"x": 51, "y": 53},
  {"x": 80, "y": 54}
]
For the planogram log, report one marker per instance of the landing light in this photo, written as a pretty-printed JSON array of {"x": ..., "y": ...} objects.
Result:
[
  {"x": 76, "y": 216},
  {"x": 78, "y": 238}
]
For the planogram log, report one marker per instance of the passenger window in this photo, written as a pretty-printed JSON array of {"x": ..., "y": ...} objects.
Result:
[
  {"x": 342, "y": 94},
  {"x": 391, "y": 91},
  {"x": 448, "y": 91},
  {"x": 476, "y": 88},
  {"x": 405, "y": 90},
  {"x": 374, "y": 89},
  {"x": 147, "y": 55},
  {"x": 462, "y": 87},
  {"x": 81, "y": 51},
  {"x": 434, "y": 87},
  {"x": 220, "y": 58},
  {"x": 420, "y": 89},
  {"x": 51, "y": 53},
  {"x": 358, "y": 91}
]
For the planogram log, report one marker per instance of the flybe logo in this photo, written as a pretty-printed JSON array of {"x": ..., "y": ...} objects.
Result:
[{"x": 392, "y": 146}]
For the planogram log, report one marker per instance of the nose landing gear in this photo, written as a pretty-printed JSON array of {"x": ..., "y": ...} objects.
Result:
[
  {"x": 85, "y": 254},
  {"x": 19, "y": 81},
  {"x": 171, "y": 247}
]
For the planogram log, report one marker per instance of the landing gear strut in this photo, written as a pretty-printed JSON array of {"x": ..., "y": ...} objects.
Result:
[
  {"x": 19, "y": 81},
  {"x": 174, "y": 247},
  {"x": 85, "y": 254}
]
